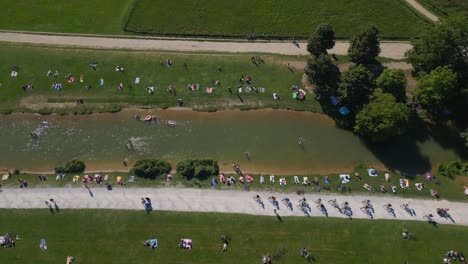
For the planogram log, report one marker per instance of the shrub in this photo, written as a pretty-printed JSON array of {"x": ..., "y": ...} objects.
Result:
[
  {"x": 151, "y": 168},
  {"x": 453, "y": 168},
  {"x": 200, "y": 169},
  {"x": 72, "y": 166}
]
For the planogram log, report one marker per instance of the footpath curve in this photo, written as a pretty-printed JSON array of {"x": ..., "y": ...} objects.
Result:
[
  {"x": 223, "y": 201},
  {"x": 421, "y": 9},
  {"x": 393, "y": 50}
]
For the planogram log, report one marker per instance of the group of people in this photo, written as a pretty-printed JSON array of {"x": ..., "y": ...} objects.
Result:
[{"x": 454, "y": 256}]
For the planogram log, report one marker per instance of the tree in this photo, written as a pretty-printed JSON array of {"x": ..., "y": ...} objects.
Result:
[
  {"x": 365, "y": 46},
  {"x": 444, "y": 44},
  {"x": 323, "y": 73},
  {"x": 382, "y": 118},
  {"x": 393, "y": 82},
  {"x": 437, "y": 90},
  {"x": 357, "y": 84},
  {"x": 151, "y": 168},
  {"x": 322, "y": 38}
]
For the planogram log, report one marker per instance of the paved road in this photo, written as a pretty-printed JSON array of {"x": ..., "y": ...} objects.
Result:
[
  {"x": 394, "y": 50},
  {"x": 226, "y": 201}
]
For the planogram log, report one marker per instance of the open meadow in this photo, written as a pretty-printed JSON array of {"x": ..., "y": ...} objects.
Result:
[
  {"x": 110, "y": 236},
  {"x": 284, "y": 19}
]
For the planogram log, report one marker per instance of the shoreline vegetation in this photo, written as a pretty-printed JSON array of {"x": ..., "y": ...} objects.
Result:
[{"x": 449, "y": 188}]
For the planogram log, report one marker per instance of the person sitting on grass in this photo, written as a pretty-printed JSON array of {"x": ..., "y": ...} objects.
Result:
[
  {"x": 70, "y": 260},
  {"x": 404, "y": 233}
]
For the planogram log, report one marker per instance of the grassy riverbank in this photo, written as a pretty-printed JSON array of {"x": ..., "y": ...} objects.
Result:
[
  {"x": 34, "y": 62},
  {"x": 111, "y": 236},
  {"x": 449, "y": 189}
]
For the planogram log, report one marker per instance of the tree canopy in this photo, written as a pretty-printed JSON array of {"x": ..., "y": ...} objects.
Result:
[
  {"x": 382, "y": 118},
  {"x": 444, "y": 44},
  {"x": 356, "y": 85},
  {"x": 321, "y": 39},
  {"x": 200, "y": 169},
  {"x": 393, "y": 81},
  {"x": 323, "y": 73},
  {"x": 437, "y": 90},
  {"x": 365, "y": 46}
]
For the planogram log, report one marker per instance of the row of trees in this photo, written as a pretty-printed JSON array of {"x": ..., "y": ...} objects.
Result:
[
  {"x": 377, "y": 105},
  {"x": 377, "y": 99}
]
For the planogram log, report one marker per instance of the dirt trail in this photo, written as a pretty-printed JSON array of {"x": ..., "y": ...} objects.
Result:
[
  {"x": 394, "y": 50},
  {"x": 422, "y": 10}
]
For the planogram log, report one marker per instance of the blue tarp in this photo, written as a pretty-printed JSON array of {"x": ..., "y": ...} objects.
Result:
[
  {"x": 334, "y": 100},
  {"x": 344, "y": 110}
]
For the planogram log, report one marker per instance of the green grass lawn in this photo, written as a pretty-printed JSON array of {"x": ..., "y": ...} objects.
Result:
[
  {"x": 278, "y": 18},
  {"x": 108, "y": 236},
  {"x": 71, "y": 16},
  {"x": 35, "y": 61},
  {"x": 447, "y": 7}
]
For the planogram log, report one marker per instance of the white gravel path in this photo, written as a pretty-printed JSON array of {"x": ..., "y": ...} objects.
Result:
[
  {"x": 422, "y": 10},
  {"x": 225, "y": 201},
  {"x": 394, "y": 50}
]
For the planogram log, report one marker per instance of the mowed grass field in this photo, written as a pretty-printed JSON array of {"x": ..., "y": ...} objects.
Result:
[
  {"x": 283, "y": 18},
  {"x": 34, "y": 62},
  {"x": 72, "y": 16},
  {"x": 210, "y": 17},
  {"x": 109, "y": 236}
]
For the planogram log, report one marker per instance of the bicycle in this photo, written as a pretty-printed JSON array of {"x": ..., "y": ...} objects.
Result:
[
  {"x": 405, "y": 206},
  {"x": 333, "y": 203},
  {"x": 287, "y": 203}
]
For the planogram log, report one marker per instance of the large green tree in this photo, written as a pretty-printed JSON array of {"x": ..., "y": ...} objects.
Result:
[
  {"x": 323, "y": 73},
  {"x": 393, "y": 82},
  {"x": 437, "y": 90},
  {"x": 356, "y": 85},
  {"x": 322, "y": 39},
  {"x": 444, "y": 44},
  {"x": 382, "y": 118},
  {"x": 365, "y": 46}
]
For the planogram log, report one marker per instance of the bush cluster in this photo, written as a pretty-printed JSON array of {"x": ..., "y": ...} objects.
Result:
[
  {"x": 200, "y": 169},
  {"x": 151, "y": 168},
  {"x": 453, "y": 168},
  {"x": 72, "y": 166}
]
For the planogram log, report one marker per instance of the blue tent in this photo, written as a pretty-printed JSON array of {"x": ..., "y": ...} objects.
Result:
[
  {"x": 344, "y": 110},
  {"x": 334, "y": 100}
]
